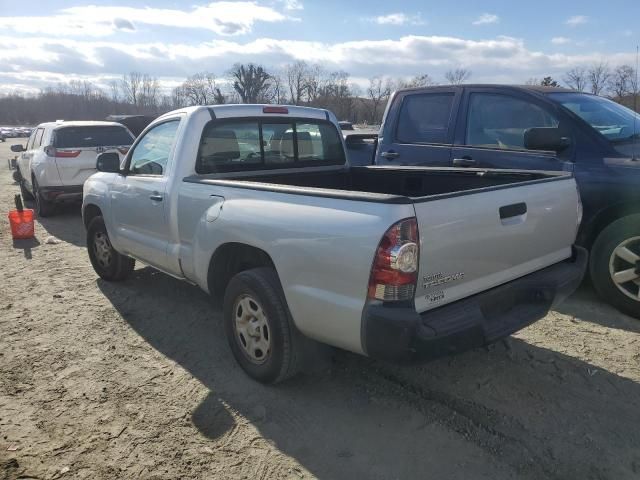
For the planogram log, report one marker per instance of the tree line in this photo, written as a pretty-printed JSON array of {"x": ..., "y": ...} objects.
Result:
[{"x": 298, "y": 83}]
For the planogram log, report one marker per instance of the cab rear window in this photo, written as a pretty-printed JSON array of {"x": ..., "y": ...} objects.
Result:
[
  {"x": 266, "y": 143},
  {"x": 79, "y": 137}
]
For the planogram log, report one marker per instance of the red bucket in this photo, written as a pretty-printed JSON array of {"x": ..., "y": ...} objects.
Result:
[{"x": 21, "y": 223}]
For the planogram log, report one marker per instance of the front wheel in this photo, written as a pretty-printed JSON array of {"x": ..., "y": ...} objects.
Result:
[
  {"x": 259, "y": 328},
  {"x": 106, "y": 261},
  {"x": 615, "y": 264}
]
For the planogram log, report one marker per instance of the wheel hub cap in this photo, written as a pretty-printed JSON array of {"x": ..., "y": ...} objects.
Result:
[
  {"x": 624, "y": 267},
  {"x": 252, "y": 329},
  {"x": 102, "y": 249}
]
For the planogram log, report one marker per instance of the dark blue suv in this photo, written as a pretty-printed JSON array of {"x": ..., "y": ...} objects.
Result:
[{"x": 536, "y": 128}]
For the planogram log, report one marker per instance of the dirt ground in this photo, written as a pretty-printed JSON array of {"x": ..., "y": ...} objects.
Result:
[{"x": 135, "y": 380}]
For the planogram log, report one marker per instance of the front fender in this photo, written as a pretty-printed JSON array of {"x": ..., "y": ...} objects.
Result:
[{"x": 96, "y": 191}]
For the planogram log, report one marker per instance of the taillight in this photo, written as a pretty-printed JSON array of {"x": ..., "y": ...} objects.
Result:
[
  {"x": 67, "y": 153},
  {"x": 395, "y": 268},
  {"x": 54, "y": 152}
]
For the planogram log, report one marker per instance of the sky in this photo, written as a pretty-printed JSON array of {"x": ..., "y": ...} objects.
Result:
[{"x": 44, "y": 42}]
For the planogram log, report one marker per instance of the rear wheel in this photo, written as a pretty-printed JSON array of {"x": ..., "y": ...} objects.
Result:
[
  {"x": 106, "y": 261},
  {"x": 259, "y": 328},
  {"x": 615, "y": 264},
  {"x": 44, "y": 208}
]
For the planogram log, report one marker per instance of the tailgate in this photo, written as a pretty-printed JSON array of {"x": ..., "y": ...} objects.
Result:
[
  {"x": 478, "y": 240},
  {"x": 75, "y": 165}
]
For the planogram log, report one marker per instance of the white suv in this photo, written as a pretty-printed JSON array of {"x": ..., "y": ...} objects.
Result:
[{"x": 60, "y": 156}]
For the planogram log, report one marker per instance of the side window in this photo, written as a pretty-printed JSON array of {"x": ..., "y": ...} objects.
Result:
[
  {"x": 500, "y": 121},
  {"x": 37, "y": 141},
  {"x": 425, "y": 118},
  {"x": 32, "y": 138},
  {"x": 151, "y": 154}
]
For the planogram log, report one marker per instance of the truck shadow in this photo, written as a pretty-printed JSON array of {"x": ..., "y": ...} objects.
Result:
[
  {"x": 585, "y": 305},
  {"x": 533, "y": 411},
  {"x": 65, "y": 224}
]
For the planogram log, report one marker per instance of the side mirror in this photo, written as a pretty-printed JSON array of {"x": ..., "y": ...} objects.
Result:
[
  {"x": 17, "y": 148},
  {"x": 545, "y": 138},
  {"x": 108, "y": 162}
]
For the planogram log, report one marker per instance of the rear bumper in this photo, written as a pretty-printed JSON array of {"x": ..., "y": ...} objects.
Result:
[
  {"x": 62, "y": 193},
  {"x": 401, "y": 334}
]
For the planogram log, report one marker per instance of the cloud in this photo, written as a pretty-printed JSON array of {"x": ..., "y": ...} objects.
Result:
[
  {"x": 123, "y": 24},
  {"x": 292, "y": 4},
  {"x": 32, "y": 63},
  {"x": 560, "y": 40},
  {"x": 398, "y": 19},
  {"x": 222, "y": 18},
  {"x": 577, "y": 20},
  {"x": 486, "y": 19}
]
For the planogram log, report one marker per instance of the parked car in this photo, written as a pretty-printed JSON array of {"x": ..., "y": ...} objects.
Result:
[
  {"x": 3, "y": 135},
  {"x": 60, "y": 156},
  {"x": 24, "y": 132},
  {"x": 344, "y": 125},
  {"x": 258, "y": 206},
  {"x": 7, "y": 132},
  {"x": 534, "y": 128}
]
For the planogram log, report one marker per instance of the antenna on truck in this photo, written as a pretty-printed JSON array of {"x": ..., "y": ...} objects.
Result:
[{"x": 635, "y": 108}]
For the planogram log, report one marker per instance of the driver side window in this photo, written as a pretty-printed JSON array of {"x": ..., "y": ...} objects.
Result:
[
  {"x": 500, "y": 121},
  {"x": 151, "y": 155}
]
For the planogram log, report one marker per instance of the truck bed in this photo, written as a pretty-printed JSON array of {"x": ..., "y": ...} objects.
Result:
[{"x": 383, "y": 184}]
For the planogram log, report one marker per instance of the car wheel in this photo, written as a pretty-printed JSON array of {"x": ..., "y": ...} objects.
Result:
[
  {"x": 107, "y": 262},
  {"x": 26, "y": 194},
  {"x": 44, "y": 208},
  {"x": 259, "y": 328},
  {"x": 615, "y": 264}
]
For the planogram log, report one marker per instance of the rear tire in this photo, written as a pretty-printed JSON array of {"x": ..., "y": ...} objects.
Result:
[
  {"x": 106, "y": 261},
  {"x": 44, "y": 208},
  {"x": 256, "y": 318},
  {"x": 615, "y": 256}
]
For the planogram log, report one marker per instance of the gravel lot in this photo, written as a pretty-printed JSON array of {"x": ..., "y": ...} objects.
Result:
[{"x": 135, "y": 379}]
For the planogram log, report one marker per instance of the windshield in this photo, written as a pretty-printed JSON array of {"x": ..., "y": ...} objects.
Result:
[{"x": 615, "y": 122}]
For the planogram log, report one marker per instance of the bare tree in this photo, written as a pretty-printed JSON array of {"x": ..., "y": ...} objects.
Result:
[
  {"x": 114, "y": 91},
  {"x": 378, "y": 93},
  {"x": 200, "y": 89},
  {"x": 423, "y": 80},
  {"x": 278, "y": 91},
  {"x": 316, "y": 80},
  {"x": 576, "y": 78},
  {"x": 296, "y": 75},
  {"x": 149, "y": 91},
  {"x": 623, "y": 81},
  {"x": 599, "y": 75},
  {"x": 131, "y": 85},
  {"x": 251, "y": 82},
  {"x": 457, "y": 76}
]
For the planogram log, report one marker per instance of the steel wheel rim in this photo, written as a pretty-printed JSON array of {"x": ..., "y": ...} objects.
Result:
[
  {"x": 624, "y": 267},
  {"x": 252, "y": 331},
  {"x": 102, "y": 249}
]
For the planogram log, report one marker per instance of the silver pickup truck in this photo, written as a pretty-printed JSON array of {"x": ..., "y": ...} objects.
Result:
[{"x": 258, "y": 206}]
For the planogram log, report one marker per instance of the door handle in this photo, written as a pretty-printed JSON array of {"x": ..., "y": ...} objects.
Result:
[
  {"x": 513, "y": 210},
  {"x": 155, "y": 197},
  {"x": 390, "y": 155},
  {"x": 463, "y": 162}
]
